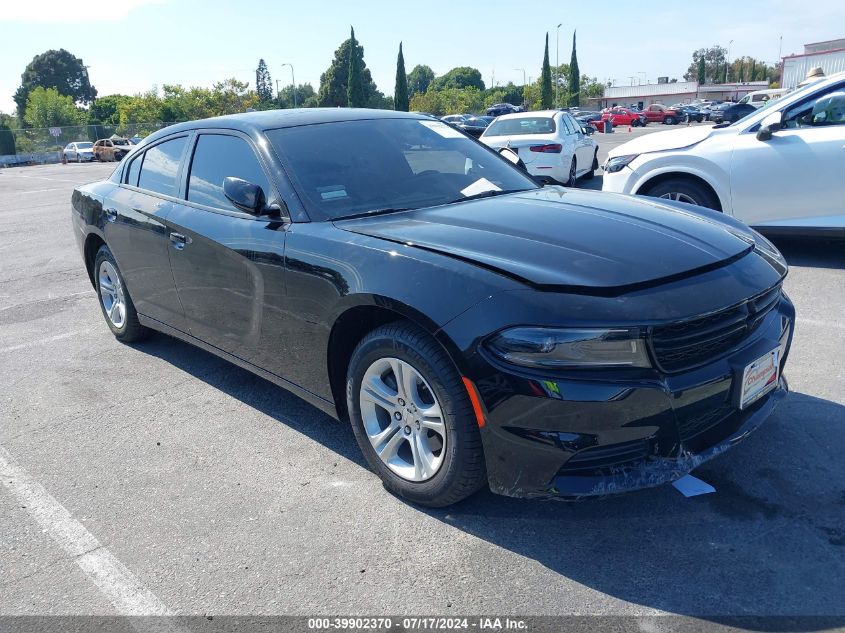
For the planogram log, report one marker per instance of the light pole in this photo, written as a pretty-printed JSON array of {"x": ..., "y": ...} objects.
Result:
[
  {"x": 645, "y": 76},
  {"x": 557, "y": 61},
  {"x": 293, "y": 79},
  {"x": 277, "y": 88},
  {"x": 728, "y": 63}
]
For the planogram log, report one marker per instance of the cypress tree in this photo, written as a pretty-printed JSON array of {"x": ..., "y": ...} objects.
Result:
[
  {"x": 263, "y": 85},
  {"x": 355, "y": 82},
  {"x": 574, "y": 77},
  {"x": 400, "y": 92},
  {"x": 702, "y": 72},
  {"x": 546, "y": 94}
]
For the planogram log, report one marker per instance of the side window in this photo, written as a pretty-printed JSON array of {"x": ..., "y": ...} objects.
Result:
[
  {"x": 570, "y": 126},
  {"x": 216, "y": 158},
  {"x": 134, "y": 170},
  {"x": 822, "y": 111},
  {"x": 161, "y": 164}
]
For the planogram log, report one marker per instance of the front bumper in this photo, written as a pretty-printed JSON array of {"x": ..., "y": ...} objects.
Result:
[{"x": 601, "y": 433}]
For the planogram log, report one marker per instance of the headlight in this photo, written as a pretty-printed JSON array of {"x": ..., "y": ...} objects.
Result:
[
  {"x": 618, "y": 162},
  {"x": 561, "y": 348},
  {"x": 767, "y": 249}
]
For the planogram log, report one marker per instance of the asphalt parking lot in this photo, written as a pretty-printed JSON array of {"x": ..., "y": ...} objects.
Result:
[{"x": 218, "y": 493}]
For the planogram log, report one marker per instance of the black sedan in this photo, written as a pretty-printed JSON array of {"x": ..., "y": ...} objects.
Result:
[
  {"x": 473, "y": 327},
  {"x": 691, "y": 113},
  {"x": 475, "y": 126},
  {"x": 731, "y": 112}
]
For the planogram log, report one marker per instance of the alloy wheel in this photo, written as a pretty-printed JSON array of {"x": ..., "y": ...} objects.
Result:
[
  {"x": 111, "y": 294},
  {"x": 573, "y": 169},
  {"x": 679, "y": 197},
  {"x": 403, "y": 419}
]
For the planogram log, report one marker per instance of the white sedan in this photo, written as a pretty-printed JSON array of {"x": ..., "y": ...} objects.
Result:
[
  {"x": 78, "y": 152},
  {"x": 552, "y": 144},
  {"x": 780, "y": 169}
]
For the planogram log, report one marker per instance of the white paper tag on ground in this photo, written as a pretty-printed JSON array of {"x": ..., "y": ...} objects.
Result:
[
  {"x": 480, "y": 186},
  {"x": 690, "y": 486},
  {"x": 446, "y": 131}
]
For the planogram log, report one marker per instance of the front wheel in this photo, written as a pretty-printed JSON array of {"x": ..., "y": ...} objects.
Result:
[
  {"x": 590, "y": 174},
  {"x": 115, "y": 302},
  {"x": 684, "y": 190},
  {"x": 670, "y": 120},
  {"x": 412, "y": 417},
  {"x": 573, "y": 171}
]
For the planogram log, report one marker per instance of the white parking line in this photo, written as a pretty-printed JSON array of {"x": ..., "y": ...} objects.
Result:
[
  {"x": 820, "y": 323},
  {"x": 128, "y": 595},
  {"x": 42, "y": 341}
]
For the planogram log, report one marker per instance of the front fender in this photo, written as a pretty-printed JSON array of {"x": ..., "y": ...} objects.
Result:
[{"x": 650, "y": 166}]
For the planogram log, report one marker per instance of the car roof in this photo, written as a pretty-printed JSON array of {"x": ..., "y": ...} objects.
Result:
[
  {"x": 523, "y": 115},
  {"x": 273, "y": 119}
]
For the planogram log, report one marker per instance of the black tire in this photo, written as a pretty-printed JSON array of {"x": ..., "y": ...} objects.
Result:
[
  {"x": 636, "y": 123},
  {"x": 462, "y": 471},
  {"x": 670, "y": 120},
  {"x": 131, "y": 330},
  {"x": 694, "y": 191},
  {"x": 78, "y": 159},
  {"x": 590, "y": 174},
  {"x": 573, "y": 173}
]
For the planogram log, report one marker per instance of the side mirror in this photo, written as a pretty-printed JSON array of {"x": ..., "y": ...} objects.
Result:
[
  {"x": 771, "y": 124},
  {"x": 244, "y": 195},
  {"x": 587, "y": 130}
]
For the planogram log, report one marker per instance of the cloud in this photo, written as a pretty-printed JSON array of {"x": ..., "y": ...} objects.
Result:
[{"x": 66, "y": 11}]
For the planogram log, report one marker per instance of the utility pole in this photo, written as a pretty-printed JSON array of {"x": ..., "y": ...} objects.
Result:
[
  {"x": 293, "y": 79},
  {"x": 557, "y": 61},
  {"x": 728, "y": 63},
  {"x": 523, "y": 84},
  {"x": 277, "y": 89}
]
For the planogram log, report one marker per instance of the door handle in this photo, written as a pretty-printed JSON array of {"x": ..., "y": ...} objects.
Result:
[
  {"x": 111, "y": 214},
  {"x": 179, "y": 241}
]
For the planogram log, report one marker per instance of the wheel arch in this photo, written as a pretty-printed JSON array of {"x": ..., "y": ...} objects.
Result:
[
  {"x": 93, "y": 242},
  {"x": 643, "y": 187},
  {"x": 354, "y": 320}
]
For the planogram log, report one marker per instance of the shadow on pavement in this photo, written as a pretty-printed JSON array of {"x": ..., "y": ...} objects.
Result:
[
  {"x": 770, "y": 541},
  {"x": 812, "y": 252}
]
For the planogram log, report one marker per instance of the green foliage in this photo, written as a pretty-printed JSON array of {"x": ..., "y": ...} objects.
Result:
[
  {"x": 45, "y": 107},
  {"x": 508, "y": 93},
  {"x": 263, "y": 83},
  {"x": 448, "y": 101},
  {"x": 702, "y": 70},
  {"x": 305, "y": 95},
  {"x": 107, "y": 109},
  {"x": 460, "y": 77},
  {"x": 574, "y": 77},
  {"x": 546, "y": 94},
  {"x": 714, "y": 60},
  {"x": 7, "y": 140},
  {"x": 57, "y": 69},
  {"x": 355, "y": 95},
  {"x": 96, "y": 130},
  {"x": 400, "y": 91},
  {"x": 333, "y": 90},
  {"x": 419, "y": 79}
]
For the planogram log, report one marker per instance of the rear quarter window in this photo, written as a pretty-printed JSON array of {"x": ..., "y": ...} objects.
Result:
[{"x": 161, "y": 166}]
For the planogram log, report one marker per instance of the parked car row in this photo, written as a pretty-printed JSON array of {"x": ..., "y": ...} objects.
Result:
[{"x": 107, "y": 149}]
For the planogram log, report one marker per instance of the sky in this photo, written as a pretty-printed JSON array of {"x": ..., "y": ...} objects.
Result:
[{"x": 132, "y": 45}]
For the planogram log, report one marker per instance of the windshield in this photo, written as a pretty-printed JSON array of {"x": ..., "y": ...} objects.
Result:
[
  {"x": 355, "y": 167},
  {"x": 521, "y": 125},
  {"x": 84, "y": 145}
]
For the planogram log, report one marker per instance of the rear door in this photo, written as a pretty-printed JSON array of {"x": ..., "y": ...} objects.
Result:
[
  {"x": 226, "y": 262},
  {"x": 135, "y": 230},
  {"x": 582, "y": 146}
]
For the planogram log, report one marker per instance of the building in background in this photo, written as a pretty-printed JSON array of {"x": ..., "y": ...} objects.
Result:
[
  {"x": 679, "y": 92},
  {"x": 829, "y": 56}
]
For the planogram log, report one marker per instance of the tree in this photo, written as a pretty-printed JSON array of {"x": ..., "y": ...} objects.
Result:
[
  {"x": 305, "y": 97},
  {"x": 45, "y": 107},
  {"x": 574, "y": 77},
  {"x": 355, "y": 96},
  {"x": 702, "y": 71},
  {"x": 333, "y": 90},
  {"x": 752, "y": 70},
  {"x": 546, "y": 95},
  {"x": 57, "y": 69},
  {"x": 263, "y": 83},
  {"x": 107, "y": 109},
  {"x": 419, "y": 79},
  {"x": 7, "y": 140},
  {"x": 714, "y": 59},
  {"x": 400, "y": 92},
  {"x": 460, "y": 77}
]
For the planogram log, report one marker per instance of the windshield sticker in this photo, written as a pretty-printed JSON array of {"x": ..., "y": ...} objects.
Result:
[
  {"x": 333, "y": 192},
  {"x": 479, "y": 186},
  {"x": 442, "y": 129}
]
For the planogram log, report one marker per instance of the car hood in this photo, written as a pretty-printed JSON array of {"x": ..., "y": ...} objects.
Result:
[
  {"x": 568, "y": 240},
  {"x": 663, "y": 141}
]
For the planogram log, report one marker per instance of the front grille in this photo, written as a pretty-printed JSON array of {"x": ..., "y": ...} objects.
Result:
[
  {"x": 693, "y": 342},
  {"x": 601, "y": 458},
  {"x": 688, "y": 428}
]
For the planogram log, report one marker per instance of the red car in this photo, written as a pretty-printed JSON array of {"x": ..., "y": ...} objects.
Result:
[
  {"x": 624, "y": 116},
  {"x": 657, "y": 113}
]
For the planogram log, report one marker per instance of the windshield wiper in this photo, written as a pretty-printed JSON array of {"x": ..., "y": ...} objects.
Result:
[
  {"x": 366, "y": 214},
  {"x": 486, "y": 194}
]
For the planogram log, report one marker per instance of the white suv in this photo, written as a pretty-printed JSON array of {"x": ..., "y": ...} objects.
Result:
[{"x": 780, "y": 169}]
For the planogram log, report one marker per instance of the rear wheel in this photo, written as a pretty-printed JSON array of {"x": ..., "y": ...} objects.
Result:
[
  {"x": 670, "y": 120},
  {"x": 115, "y": 302},
  {"x": 683, "y": 190},
  {"x": 412, "y": 417},
  {"x": 593, "y": 167},
  {"x": 573, "y": 171}
]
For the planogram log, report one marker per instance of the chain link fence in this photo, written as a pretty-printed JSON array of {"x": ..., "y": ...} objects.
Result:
[{"x": 44, "y": 145}]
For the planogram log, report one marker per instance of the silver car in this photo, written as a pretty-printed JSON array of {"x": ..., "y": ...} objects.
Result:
[{"x": 82, "y": 151}]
